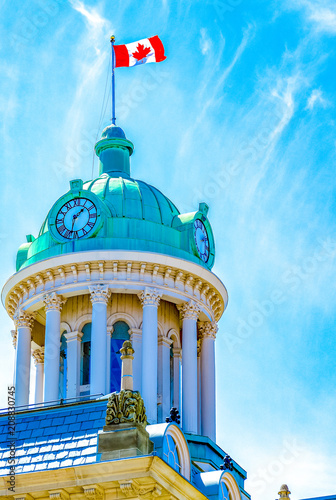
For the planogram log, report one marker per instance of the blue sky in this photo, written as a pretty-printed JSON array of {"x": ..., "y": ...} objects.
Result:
[{"x": 240, "y": 115}]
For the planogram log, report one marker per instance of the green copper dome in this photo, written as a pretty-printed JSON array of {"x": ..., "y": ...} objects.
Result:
[{"x": 118, "y": 213}]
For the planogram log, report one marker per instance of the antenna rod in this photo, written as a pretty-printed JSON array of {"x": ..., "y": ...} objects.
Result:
[{"x": 113, "y": 81}]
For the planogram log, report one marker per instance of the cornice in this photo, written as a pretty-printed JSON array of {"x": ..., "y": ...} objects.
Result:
[{"x": 177, "y": 279}]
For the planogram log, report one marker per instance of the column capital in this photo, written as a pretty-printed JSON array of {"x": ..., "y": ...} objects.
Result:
[
  {"x": 99, "y": 294},
  {"x": 135, "y": 333},
  {"x": 150, "y": 297},
  {"x": 14, "y": 337},
  {"x": 165, "y": 341},
  {"x": 208, "y": 329},
  {"x": 177, "y": 352},
  {"x": 189, "y": 310},
  {"x": 73, "y": 336},
  {"x": 38, "y": 356},
  {"x": 23, "y": 319},
  {"x": 53, "y": 302}
]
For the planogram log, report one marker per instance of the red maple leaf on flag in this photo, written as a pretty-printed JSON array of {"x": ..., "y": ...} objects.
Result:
[{"x": 141, "y": 52}]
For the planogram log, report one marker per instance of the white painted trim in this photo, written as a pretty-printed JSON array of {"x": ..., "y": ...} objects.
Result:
[
  {"x": 231, "y": 485},
  {"x": 82, "y": 321},
  {"x": 182, "y": 448},
  {"x": 121, "y": 316}
]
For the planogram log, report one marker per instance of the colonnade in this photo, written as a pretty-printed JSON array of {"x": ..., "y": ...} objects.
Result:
[{"x": 151, "y": 370}]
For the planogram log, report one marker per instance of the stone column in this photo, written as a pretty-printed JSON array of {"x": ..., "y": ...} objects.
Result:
[
  {"x": 24, "y": 324},
  {"x": 108, "y": 360},
  {"x": 189, "y": 312},
  {"x": 164, "y": 377},
  {"x": 177, "y": 364},
  {"x": 53, "y": 306},
  {"x": 126, "y": 357},
  {"x": 199, "y": 385},
  {"x": 38, "y": 356},
  {"x": 73, "y": 340},
  {"x": 14, "y": 340},
  {"x": 208, "y": 331},
  {"x": 99, "y": 298},
  {"x": 136, "y": 339},
  {"x": 150, "y": 299}
]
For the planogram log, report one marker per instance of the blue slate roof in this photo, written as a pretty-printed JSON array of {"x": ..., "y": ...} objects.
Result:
[{"x": 53, "y": 437}]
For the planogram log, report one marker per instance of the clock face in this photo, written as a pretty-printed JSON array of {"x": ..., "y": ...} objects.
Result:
[
  {"x": 201, "y": 240},
  {"x": 76, "y": 218}
]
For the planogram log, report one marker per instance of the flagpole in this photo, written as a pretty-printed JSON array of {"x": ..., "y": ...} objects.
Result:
[{"x": 113, "y": 81}]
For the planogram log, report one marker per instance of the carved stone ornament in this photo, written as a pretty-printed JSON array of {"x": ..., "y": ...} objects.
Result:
[
  {"x": 150, "y": 297},
  {"x": 14, "y": 337},
  {"x": 53, "y": 302},
  {"x": 126, "y": 407},
  {"x": 189, "y": 310},
  {"x": 23, "y": 320},
  {"x": 208, "y": 329},
  {"x": 38, "y": 356},
  {"x": 100, "y": 293},
  {"x": 133, "y": 489},
  {"x": 93, "y": 492}
]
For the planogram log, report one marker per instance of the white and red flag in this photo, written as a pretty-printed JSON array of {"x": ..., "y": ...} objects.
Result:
[{"x": 144, "y": 51}]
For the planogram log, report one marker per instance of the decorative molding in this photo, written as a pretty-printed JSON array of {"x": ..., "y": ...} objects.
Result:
[
  {"x": 38, "y": 356},
  {"x": 150, "y": 297},
  {"x": 189, "y": 310},
  {"x": 133, "y": 488},
  {"x": 23, "y": 319},
  {"x": 73, "y": 336},
  {"x": 14, "y": 337},
  {"x": 93, "y": 492},
  {"x": 178, "y": 279},
  {"x": 125, "y": 407},
  {"x": 23, "y": 496},
  {"x": 99, "y": 293},
  {"x": 164, "y": 341},
  {"x": 53, "y": 302},
  {"x": 208, "y": 329},
  {"x": 58, "y": 495}
]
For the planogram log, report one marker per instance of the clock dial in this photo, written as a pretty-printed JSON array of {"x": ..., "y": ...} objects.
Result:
[
  {"x": 76, "y": 218},
  {"x": 201, "y": 240}
]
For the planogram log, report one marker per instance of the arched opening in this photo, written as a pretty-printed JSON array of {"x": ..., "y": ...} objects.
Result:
[
  {"x": 171, "y": 376},
  {"x": 119, "y": 335},
  {"x": 62, "y": 391},
  {"x": 85, "y": 360}
]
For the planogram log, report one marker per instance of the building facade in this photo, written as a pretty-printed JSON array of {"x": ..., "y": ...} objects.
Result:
[{"x": 116, "y": 261}]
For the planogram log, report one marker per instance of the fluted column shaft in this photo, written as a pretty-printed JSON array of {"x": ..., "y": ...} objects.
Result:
[
  {"x": 164, "y": 377},
  {"x": 24, "y": 324},
  {"x": 189, "y": 313},
  {"x": 150, "y": 299},
  {"x": 38, "y": 356},
  {"x": 177, "y": 363},
  {"x": 73, "y": 340},
  {"x": 53, "y": 306},
  {"x": 208, "y": 331},
  {"x": 99, "y": 298},
  {"x": 136, "y": 339}
]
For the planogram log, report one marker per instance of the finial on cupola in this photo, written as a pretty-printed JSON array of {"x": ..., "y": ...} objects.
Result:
[
  {"x": 114, "y": 152},
  {"x": 284, "y": 492}
]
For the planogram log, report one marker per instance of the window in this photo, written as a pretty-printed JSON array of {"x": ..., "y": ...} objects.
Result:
[
  {"x": 223, "y": 492},
  {"x": 119, "y": 335},
  {"x": 85, "y": 355},
  {"x": 170, "y": 453},
  {"x": 63, "y": 368}
]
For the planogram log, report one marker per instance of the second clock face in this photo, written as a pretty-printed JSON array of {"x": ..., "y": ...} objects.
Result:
[
  {"x": 76, "y": 218},
  {"x": 201, "y": 240}
]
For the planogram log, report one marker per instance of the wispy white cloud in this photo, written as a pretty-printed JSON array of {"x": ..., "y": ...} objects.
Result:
[
  {"x": 316, "y": 99},
  {"x": 90, "y": 14},
  {"x": 320, "y": 13},
  {"x": 205, "y": 42}
]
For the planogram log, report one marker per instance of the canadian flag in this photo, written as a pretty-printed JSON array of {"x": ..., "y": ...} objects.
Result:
[{"x": 141, "y": 52}]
